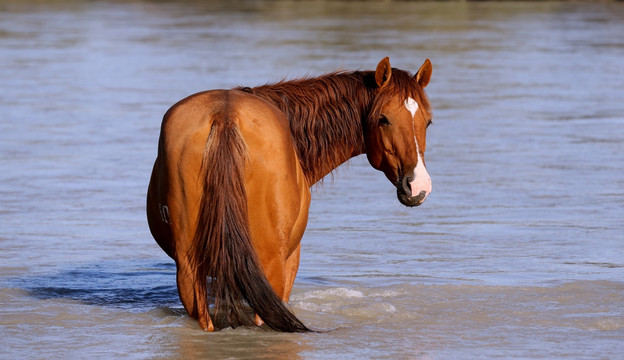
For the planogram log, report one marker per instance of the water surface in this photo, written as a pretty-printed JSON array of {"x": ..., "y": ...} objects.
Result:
[{"x": 517, "y": 253}]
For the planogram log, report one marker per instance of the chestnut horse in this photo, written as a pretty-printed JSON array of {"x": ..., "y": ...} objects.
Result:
[{"x": 229, "y": 193}]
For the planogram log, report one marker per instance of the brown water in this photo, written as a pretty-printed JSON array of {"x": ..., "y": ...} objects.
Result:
[{"x": 518, "y": 252}]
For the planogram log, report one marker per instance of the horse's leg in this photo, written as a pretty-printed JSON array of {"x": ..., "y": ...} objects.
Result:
[
  {"x": 193, "y": 294},
  {"x": 280, "y": 267},
  {"x": 191, "y": 291},
  {"x": 290, "y": 272},
  {"x": 275, "y": 274},
  {"x": 165, "y": 211},
  {"x": 292, "y": 266},
  {"x": 186, "y": 288},
  {"x": 201, "y": 298},
  {"x": 282, "y": 280}
]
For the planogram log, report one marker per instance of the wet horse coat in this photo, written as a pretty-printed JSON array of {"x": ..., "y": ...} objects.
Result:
[{"x": 229, "y": 194}]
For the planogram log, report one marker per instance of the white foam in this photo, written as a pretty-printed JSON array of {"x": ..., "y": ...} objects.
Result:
[
  {"x": 335, "y": 293},
  {"x": 386, "y": 293}
]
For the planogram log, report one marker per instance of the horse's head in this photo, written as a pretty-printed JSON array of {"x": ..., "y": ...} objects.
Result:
[{"x": 396, "y": 130}]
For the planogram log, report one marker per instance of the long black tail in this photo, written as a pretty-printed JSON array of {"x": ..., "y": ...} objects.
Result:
[{"x": 222, "y": 248}]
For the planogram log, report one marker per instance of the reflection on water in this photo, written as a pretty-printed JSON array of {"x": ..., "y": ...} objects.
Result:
[{"x": 517, "y": 251}]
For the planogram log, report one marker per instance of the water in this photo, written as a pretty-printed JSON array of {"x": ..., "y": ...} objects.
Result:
[{"x": 517, "y": 253}]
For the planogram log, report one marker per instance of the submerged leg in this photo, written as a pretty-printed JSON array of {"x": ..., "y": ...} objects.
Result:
[
  {"x": 292, "y": 266},
  {"x": 275, "y": 277},
  {"x": 283, "y": 284},
  {"x": 193, "y": 296},
  {"x": 258, "y": 321},
  {"x": 203, "y": 317}
]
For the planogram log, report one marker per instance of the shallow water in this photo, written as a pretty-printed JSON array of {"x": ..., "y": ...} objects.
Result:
[{"x": 517, "y": 253}]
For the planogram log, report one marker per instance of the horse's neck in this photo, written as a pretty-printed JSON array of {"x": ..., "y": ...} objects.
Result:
[{"x": 326, "y": 116}]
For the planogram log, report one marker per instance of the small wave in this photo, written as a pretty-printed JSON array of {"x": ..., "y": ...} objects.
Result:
[
  {"x": 310, "y": 306},
  {"x": 386, "y": 293},
  {"x": 608, "y": 324},
  {"x": 329, "y": 294},
  {"x": 344, "y": 293},
  {"x": 356, "y": 304}
]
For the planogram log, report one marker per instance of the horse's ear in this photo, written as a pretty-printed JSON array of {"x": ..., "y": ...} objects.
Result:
[
  {"x": 424, "y": 73},
  {"x": 383, "y": 72}
]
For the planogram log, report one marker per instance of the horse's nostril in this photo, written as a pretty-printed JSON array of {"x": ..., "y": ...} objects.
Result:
[{"x": 406, "y": 184}]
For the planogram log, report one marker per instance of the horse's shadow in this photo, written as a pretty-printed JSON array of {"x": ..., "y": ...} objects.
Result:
[{"x": 132, "y": 285}]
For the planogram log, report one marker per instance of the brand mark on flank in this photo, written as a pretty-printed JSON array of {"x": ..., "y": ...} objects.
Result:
[{"x": 164, "y": 213}]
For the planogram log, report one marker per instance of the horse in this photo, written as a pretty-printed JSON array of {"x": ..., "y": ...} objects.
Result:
[{"x": 229, "y": 192}]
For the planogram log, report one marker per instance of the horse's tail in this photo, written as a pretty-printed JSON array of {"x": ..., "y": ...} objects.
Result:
[{"x": 222, "y": 248}]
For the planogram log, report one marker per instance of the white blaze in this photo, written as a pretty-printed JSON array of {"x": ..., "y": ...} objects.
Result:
[
  {"x": 411, "y": 105},
  {"x": 422, "y": 180}
]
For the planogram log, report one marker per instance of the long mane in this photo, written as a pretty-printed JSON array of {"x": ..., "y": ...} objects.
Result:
[{"x": 329, "y": 114}]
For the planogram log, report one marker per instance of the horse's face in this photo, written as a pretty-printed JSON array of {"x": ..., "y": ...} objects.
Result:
[{"x": 396, "y": 136}]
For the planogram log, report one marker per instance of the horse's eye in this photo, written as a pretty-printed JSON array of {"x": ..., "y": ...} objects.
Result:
[
  {"x": 383, "y": 121},
  {"x": 429, "y": 122}
]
